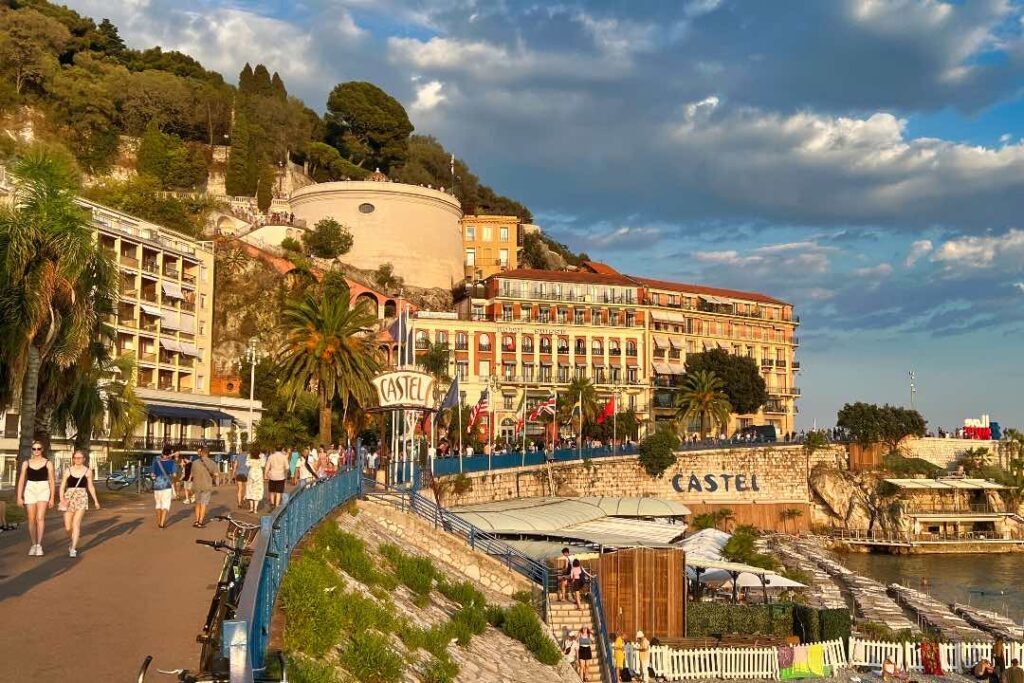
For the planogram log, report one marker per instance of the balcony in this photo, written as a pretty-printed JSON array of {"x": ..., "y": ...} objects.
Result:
[
  {"x": 127, "y": 293},
  {"x": 767, "y": 363},
  {"x": 187, "y": 306},
  {"x": 795, "y": 341},
  {"x": 188, "y": 279},
  {"x": 775, "y": 408},
  {"x": 796, "y": 365},
  {"x": 781, "y": 363},
  {"x": 129, "y": 261},
  {"x": 147, "y": 357},
  {"x": 150, "y": 266},
  {"x": 172, "y": 273},
  {"x": 127, "y": 322},
  {"x": 462, "y": 346},
  {"x": 148, "y": 326},
  {"x": 156, "y": 443}
]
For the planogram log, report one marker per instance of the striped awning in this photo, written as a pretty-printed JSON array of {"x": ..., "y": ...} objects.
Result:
[{"x": 172, "y": 289}]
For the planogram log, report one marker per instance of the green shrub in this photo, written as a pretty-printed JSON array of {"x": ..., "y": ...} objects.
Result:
[
  {"x": 714, "y": 618},
  {"x": 362, "y": 613},
  {"x": 348, "y": 552},
  {"x": 908, "y": 467},
  {"x": 657, "y": 451},
  {"x": 474, "y": 617},
  {"x": 495, "y": 616},
  {"x": 311, "y": 671},
  {"x": 436, "y": 670},
  {"x": 434, "y": 639},
  {"x": 370, "y": 658},
  {"x": 314, "y": 613},
  {"x": 463, "y": 593},
  {"x": 291, "y": 244},
  {"x": 877, "y": 631},
  {"x": 521, "y": 623},
  {"x": 415, "y": 572},
  {"x": 525, "y": 597}
]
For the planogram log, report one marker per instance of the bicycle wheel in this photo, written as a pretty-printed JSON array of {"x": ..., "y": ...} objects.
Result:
[
  {"x": 147, "y": 484},
  {"x": 116, "y": 484}
]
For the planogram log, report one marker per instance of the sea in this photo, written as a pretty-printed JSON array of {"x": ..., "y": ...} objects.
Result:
[{"x": 990, "y": 581}]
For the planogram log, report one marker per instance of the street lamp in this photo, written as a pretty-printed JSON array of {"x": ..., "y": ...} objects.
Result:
[
  {"x": 251, "y": 355},
  {"x": 913, "y": 389}
]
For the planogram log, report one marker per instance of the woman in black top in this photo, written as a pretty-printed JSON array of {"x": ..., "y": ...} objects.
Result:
[{"x": 75, "y": 490}]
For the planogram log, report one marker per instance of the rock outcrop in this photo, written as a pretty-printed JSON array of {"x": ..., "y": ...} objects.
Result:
[{"x": 842, "y": 497}]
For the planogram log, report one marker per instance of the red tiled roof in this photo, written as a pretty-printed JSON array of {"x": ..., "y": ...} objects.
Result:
[
  {"x": 575, "y": 276},
  {"x": 599, "y": 268},
  {"x": 711, "y": 291}
]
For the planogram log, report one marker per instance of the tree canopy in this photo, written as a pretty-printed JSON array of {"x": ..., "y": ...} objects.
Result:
[
  {"x": 741, "y": 379},
  {"x": 368, "y": 126},
  {"x": 869, "y": 423},
  {"x": 328, "y": 239}
]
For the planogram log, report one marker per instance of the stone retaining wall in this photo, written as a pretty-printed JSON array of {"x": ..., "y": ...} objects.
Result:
[
  {"x": 944, "y": 452},
  {"x": 447, "y": 549}
]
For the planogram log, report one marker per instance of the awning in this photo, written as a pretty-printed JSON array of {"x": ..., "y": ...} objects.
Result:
[
  {"x": 716, "y": 299},
  {"x": 661, "y": 341},
  {"x": 151, "y": 310},
  {"x": 170, "y": 322},
  {"x": 172, "y": 289},
  {"x": 677, "y": 369},
  {"x": 598, "y": 362},
  {"x": 662, "y": 368},
  {"x": 668, "y": 316},
  {"x": 188, "y": 323},
  {"x": 562, "y": 364},
  {"x": 190, "y": 350},
  {"x": 676, "y": 343},
  {"x": 170, "y": 345},
  {"x": 178, "y": 412}
]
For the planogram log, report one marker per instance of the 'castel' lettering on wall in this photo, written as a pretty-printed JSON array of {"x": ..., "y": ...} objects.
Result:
[{"x": 711, "y": 483}]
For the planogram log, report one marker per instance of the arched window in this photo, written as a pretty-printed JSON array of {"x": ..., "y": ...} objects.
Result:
[
  {"x": 508, "y": 342},
  {"x": 630, "y": 348},
  {"x": 545, "y": 344},
  {"x": 581, "y": 347},
  {"x": 596, "y": 347},
  {"x": 484, "y": 342},
  {"x": 613, "y": 347},
  {"x": 422, "y": 339},
  {"x": 442, "y": 337},
  {"x": 528, "y": 344},
  {"x": 563, "y": 345}
]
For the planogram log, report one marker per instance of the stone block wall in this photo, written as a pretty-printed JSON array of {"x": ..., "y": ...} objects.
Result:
[
  {"x": 404, "y": 528},
  {"x": 944, "y": 452}
]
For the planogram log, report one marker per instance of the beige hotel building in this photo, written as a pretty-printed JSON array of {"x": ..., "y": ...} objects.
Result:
[{"x": 527, "y": 332}]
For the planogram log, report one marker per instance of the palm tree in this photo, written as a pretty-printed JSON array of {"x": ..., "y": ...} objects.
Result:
[
  {"x": 788, "y": 514},
  {"x": 724, "y": 515},
  {"x": 328, "y": 348},
  {"x": 101, "y": 386},
  {"x": 434, "y": 361},
  {"x": 55, "y": 279},
  {"x": 702, "y": 399},
  {"x": 580, "y": 389}
]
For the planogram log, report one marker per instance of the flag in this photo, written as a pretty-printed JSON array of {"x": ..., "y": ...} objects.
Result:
[
  {"x": 402, "y": 333},
  {"x": 482, "y": 406},
  {"x": 545, "y": 406},
  {"x": 577, "y": 409},
  {"x": 609, "y": 411},
  {"x": 450, "y": 400},
  {"x": 521, "y": 412}
]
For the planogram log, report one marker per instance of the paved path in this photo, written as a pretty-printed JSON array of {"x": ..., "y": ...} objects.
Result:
[{"x": 133, "y": 590}]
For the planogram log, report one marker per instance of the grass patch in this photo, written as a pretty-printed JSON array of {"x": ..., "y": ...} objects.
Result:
[
  {"x": 521, "y": 623},
  {"x": 462, "y": 593},
  {"x": 525, "y": 597},
  {"x": 415, "y": 572},
  {"x": 348, "y": 552},
  {"x": 370, "y": 658},
  {"x": 439, "y": 671},
  {"x": 308, "y": 598},
  {"x": 311, "y": 671}
]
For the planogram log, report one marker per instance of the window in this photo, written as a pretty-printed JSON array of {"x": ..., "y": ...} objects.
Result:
[
  {"x": 508, "y": 372},
  {"x": 527, "y": 344},
  {"x": 503, "y": 257},
  {"x": 563, "y": 316},
  {"x": 563, "y": 374},
  {"x": 528, "y": 372},
  {"x": 545, "y": 373},
  {"x": 596, "y": 348},
  {"x": 631, "y": 374},
  {"x": 545, "y": 344},
  {"x": 630, "y": 319},
  {"x": 613, "y": 348},
  {"x": 563, "y": 345},
  {"x": 581, "y": 347},
  {"x": 470, "y": 233},
  {"x": 202, "y": 274},
  {"x": 471, "y": 257},
  {"x": 422, "y": 340},
  {"x": 503, "y": 234},
  {"x": 488, "y": 234},
  {"x": 631, "y": 348},
  {"x": 461, "y": 341},
  {"x": 202, "y": 326},
  {"x": 581, "y": 372},
  {"x": 462, "y": 370},
  {"x": 578, "y": 316},
  {"x": 598, "y": 375},
  {"x": 200, "y": 382},
  {"x": 632, "y": 402},
  {"x": 507, "y": 402},
  {"x": 545, "y": 315},
  {"x": 506, "y": 312},
  {"x": 484, "y": 342},
  {"x": 442, "y": 337},
  {"x": 616, "y": 374},
  {"x": 485, "y": 369},
  {"x": 366, "y": 207},
  {"x": 202, "y": 301},
  {"x": 508, "y": 343},
  {"x": 613, "y": 317}
]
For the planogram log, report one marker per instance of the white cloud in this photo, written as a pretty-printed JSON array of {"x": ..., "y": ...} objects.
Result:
[
  {"x": 428, "y": 96},
  {"x": 797, "y": 259},
  {"x": 618, "y": 38},
  {"x": 1004, "y": 251},
  {"x": 882, "y": 270},
  {"x": 626, "y": 236},
  {"x": 1019, "y": 286},
  {"x": 918, "y": 249}
]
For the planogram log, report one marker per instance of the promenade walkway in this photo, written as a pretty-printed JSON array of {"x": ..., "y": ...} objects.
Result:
[{"x": 133, "y": 590}]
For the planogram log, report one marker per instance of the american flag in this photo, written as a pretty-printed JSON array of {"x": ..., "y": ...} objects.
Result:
[
  {"x": 545, "y": 406},
  {"x": 482, "y": 406}
]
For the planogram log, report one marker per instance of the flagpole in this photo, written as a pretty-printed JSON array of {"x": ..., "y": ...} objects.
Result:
[
  {"x": 579, "y": 441},
  {"x": 459, "y": 411},
  {"x": 615, "y": 410},
  {"x": 524, "y": 426},
  {"x": 490, "y": 451}
]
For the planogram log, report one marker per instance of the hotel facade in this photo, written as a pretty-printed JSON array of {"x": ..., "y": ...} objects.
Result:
[
  {"x": 491, "y": 244},
  {"x": 525, "y": 333}
]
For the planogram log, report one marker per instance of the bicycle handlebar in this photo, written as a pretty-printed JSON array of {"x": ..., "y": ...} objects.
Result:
[
  {"x": 216, "y": 545},
  {"x": 145, "y": 667}
]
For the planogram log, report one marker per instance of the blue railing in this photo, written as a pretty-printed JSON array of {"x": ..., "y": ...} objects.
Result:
[
  {"x": 602, "y": 629},
  {"x": 247, "y": 636},
  {"x": 478, "y": 539},
  {"x": 482, "y": 463}
]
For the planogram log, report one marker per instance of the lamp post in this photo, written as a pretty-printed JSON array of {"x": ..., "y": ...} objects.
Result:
[
  {"x": 251, "y": 354},
  {"x": 913, "y": 389}
]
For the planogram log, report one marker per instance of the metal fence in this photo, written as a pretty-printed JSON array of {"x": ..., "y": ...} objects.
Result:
[
  {"x": 602, "y": 630},
  {"x": 247, "y": 636}
]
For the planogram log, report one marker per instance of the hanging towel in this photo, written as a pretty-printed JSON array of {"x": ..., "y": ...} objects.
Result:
[
  {"x": 816, "y": 660},
  {"x": 931, "y": 659},
  {"x": 785, "y": 658}
]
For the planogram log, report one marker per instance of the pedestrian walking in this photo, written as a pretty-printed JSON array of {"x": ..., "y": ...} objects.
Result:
[
  {"x": 254, "y": 484},
  {"x": 643, "y": 650},
  {"x": 293, "y": 466},
  {"x": 586, "y": 644},
  {"x": 164, "y": 469},
  {"x": 36, "y": 491},
  {"x": 185, "y": 463},
  {"x": 75, "y": 491},
  {"x": 276, "y": 472},
  {"x": 240, "y": 473},
  {"x": 204, "y": 476}
]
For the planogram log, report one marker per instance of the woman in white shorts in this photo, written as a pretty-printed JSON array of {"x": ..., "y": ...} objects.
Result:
[
  {"x": 75, "y": 490},
  {"x": 36, "y": 491}
]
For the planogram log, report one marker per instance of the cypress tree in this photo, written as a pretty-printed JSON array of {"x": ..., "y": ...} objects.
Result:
[
  {"x": 265, "y": 188},
  {"x": 246, "y": 80},
  {"x": 236, "y": 181},
  {"x": 261, "y": 81},
  {"x": 278, "y": 87},
  {"x": 153, "y": 157}
]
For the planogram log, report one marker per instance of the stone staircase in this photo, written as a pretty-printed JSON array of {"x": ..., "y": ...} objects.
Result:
[{"x": 565, "y": 618}]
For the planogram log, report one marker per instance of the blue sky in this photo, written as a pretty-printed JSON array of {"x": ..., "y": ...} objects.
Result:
[{"x": 862, "y": 159}]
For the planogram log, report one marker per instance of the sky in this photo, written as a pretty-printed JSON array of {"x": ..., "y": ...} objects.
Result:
[{"x": 861, "y": 159}]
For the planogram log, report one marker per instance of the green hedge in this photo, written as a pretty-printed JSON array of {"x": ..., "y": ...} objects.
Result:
[
  {"x": 717, "y": 618},
  {"x": 780, "y": 620}
]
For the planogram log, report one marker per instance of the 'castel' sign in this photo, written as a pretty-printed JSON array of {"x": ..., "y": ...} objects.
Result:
[
  {"x": 405, "y": 389},
  {"x": 710, "y": 483}
]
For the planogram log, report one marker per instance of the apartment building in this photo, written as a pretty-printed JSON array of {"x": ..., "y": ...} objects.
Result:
[
  {"x": 523, "y": 333},
  {"x": 491, "y": 244}
]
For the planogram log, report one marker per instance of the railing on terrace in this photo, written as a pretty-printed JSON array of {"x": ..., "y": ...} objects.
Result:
[
  {"x": 155, "y": 443},
  {"x": 602, "y": 630},
  {"x": 894, "y": 538},
  {"x": 954, "y": 657},
  {"x": 248, "y": 635},
  {"x": 751, "y": 663}
]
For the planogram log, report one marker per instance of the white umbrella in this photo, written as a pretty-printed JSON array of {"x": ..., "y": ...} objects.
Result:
[{"x": 747, "y": 580}]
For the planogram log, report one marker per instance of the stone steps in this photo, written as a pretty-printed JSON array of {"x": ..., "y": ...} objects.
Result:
[{"x": 563, "y": 617}]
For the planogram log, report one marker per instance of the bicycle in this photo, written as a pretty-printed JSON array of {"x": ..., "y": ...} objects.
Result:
[
  {"x": 186, "y": 676},
  {"x": 122, "y": 479}
]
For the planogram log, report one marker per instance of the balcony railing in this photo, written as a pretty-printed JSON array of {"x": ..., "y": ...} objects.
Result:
[
  {"x": 172, "y": 273},
  {"x": 188, "y": 278},
  {"x": 767, "y": 363},
  {"x": 129, "y": 261},
  {"x": 127, "y": 322},
  {"x": 147, "y": 357},
  {"x": 128, "y": 293},
  {"x": 187, "y": 306},
  {"x": 796, "y": 365},
  {"x": 156, "y": 443},
  {"x": 781, "y": 363},
  {"x": 150, "y": 266}
]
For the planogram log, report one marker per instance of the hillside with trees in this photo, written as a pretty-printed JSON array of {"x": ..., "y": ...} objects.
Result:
[{"x": 84, "y": 88}]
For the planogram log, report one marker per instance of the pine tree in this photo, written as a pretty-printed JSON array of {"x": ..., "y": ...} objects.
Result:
[
  {"x": 278, "y": 87},
  {"x": 261, "y": 81},
  {"x": 265, "y": 189},
  {"x": 245, "y": 80},
  {"x": 236, "y": 181},
  {"x": 154, "y": 152}
]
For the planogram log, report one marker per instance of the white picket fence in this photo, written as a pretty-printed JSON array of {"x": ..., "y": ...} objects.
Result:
[
  {"x": 953, "y": 656},
  {"x": 727, "y": 662}
]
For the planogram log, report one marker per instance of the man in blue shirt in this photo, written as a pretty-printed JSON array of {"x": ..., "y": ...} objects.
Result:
[{"x": 164, "y": 468}]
